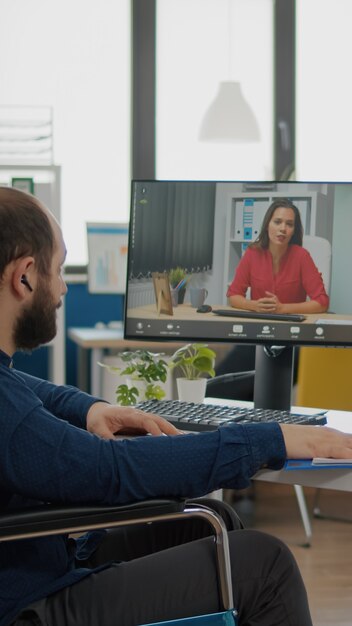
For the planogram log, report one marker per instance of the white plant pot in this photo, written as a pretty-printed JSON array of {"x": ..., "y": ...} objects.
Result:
[{"x": 191, "y": 390}]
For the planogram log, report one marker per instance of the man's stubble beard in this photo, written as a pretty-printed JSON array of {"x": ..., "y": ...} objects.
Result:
[{"x": 37, "y": 324}]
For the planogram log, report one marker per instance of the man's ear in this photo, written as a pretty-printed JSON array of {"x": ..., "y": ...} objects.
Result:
[{"x": 23, "y": 276}]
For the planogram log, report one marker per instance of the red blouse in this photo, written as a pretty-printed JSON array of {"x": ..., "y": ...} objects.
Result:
[{"x": 298, "y": 276}]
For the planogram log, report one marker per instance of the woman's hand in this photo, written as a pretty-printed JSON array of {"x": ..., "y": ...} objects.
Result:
[
  {"x": 270, "y": 303},
  {"x": 307, "y": 442},
  {"x": 106, "y": 420}
]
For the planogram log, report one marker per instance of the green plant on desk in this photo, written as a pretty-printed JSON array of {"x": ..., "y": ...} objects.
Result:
[
  {"x": 194, "y": 360},
  {"x": 176, "y": 275},
  {"x": 178, "y": 281},
  {"x": 141, "y": 366}
]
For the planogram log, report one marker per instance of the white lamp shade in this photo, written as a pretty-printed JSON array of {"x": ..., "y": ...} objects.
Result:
[{"x": 229, "y": 117}]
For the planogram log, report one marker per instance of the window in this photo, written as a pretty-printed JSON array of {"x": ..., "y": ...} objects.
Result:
[
  {"x": 201, "y": 43},
  {"x": 75, "y": 57},
  {"x": 324, "y": 99}
]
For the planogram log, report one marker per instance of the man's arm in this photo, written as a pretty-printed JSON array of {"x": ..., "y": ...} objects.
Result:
[
  {"x": 99, "y": 417},
  {"x": 63, "y": 401},
  {"x": 45, "y": 458}
]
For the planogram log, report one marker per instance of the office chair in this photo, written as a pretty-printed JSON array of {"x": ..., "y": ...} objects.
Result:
[
  {"x": 232, "y": 386},
  {"x": 320, "y": 251},
  {"x": 45, "y": 520}
]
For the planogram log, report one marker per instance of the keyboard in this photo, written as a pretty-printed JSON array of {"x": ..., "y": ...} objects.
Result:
[
  {"x": 281, "y": 317},
  {"x": 203, "y": 417}
]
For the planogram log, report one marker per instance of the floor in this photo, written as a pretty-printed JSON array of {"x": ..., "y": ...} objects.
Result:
[{"x": 326, "y": 566}]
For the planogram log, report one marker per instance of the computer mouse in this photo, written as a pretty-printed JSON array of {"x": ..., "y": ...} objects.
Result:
[{"x": 205, "y": 308}]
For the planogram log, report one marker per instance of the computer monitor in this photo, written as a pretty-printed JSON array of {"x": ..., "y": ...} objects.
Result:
[{"x": 204, "y": 228}]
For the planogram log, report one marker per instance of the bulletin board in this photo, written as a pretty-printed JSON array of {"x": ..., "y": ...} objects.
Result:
[{"x": 107, "y": 257}]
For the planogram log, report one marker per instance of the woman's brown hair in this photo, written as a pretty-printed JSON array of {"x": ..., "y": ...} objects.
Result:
[{"x": 262, "y": 240}]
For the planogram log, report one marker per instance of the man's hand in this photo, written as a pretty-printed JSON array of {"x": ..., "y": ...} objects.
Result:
[
  {"x": 106, "y": 420},
  {"x": 307, "y": 442}
]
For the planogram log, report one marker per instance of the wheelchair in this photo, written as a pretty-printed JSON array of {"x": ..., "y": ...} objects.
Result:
[{"x": 45, "y": 520}]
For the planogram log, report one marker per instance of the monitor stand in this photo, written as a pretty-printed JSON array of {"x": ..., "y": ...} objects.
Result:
[{"x": 273, "y": 377}]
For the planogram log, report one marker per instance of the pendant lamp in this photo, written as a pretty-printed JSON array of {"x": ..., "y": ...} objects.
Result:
[{"x": 229, "y": 118}]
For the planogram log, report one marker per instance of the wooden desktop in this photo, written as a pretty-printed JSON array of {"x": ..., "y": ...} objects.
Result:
[{"x": 185, "y": 312}]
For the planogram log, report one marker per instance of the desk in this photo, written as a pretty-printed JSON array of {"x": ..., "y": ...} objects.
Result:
[
  {"x": 185, "y": 312},
  {"x": 339, "y": 479},
  {"x": 99, "y": 340}
]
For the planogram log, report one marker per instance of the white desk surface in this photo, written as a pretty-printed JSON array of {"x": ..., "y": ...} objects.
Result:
[
  {"x": 92, "y": 337},
  {"x": 339, "y": 479}
]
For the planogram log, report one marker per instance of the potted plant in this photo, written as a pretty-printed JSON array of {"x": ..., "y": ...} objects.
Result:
[
  {"x": 144, "y": 371},
  {"x": 178, "y": 282},
  {"x": 195, "y": 361}
]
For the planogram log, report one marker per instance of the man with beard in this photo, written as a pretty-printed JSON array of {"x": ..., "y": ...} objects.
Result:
[{"x": 57, "y": 445}]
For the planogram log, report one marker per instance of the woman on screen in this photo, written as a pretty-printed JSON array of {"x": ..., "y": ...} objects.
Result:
[{"x": 280, "y": 273}]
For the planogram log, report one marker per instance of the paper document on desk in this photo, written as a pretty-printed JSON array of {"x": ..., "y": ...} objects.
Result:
[
  {"x": 324, "y": 461},
  {"x": 317, "y": 464}
]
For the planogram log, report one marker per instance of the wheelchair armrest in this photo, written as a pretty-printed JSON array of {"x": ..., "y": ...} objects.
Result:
[{"x": 49, "y": 518}]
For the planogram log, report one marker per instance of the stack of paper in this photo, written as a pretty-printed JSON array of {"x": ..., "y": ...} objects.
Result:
[{"x": 317, "y": 463}]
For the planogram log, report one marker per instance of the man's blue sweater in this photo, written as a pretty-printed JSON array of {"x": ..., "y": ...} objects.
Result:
[{"x": 46, "y": 455}]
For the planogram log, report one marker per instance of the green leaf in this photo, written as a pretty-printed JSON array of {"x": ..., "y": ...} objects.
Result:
[
  {"x": 203, "y": 364},
  {"x": 176, "y": 274},
  {"x": 154, "y": 392},
  {"x": 126, "y": 396},
  {"x": 193, "y": 360}
]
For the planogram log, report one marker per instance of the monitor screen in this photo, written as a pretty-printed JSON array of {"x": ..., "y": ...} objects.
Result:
[{"x": 204, "y": 253}]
